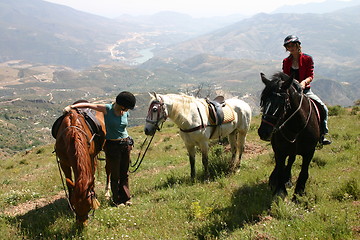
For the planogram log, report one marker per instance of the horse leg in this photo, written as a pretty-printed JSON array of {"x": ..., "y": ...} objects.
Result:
[
  {"x": 235, "y": 147},
  {"x": 67, "y": 172},
  {"x": 205, "y": 159},
  {"x": 191, "y": 152},
  {"x": 291, "y": 160},
  {"x": 277, "y": 180},
  {"x": 303, "y": 176},
  {"x": 241, "y": 144},
  {"x": 107, "y": 186}
]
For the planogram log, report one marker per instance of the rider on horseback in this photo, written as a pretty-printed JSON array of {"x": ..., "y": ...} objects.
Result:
[{"x": 301, "y": 66}]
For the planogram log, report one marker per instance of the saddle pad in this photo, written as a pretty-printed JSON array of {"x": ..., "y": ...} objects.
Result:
[{"x": 228, "y": 114}]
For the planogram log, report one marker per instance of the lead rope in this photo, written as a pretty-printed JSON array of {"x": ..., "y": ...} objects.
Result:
[
  {"x": 139, "y": 160},
  {"x": 62, "y": 181}
]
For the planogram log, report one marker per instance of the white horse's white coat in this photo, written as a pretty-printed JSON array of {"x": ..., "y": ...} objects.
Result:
[{"x": 188, "y": 112}]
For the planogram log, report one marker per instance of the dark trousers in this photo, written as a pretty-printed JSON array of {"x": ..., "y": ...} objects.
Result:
[{"x": 118, "y": 157}]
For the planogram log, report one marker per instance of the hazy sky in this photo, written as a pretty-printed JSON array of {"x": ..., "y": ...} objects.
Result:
[{"x": 196, "y": 8}]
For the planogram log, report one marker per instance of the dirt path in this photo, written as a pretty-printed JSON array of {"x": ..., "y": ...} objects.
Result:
[{"x": 23, "y": 208}]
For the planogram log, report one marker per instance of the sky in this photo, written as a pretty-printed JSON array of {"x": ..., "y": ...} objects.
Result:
[{"x": 195, "y": 8}]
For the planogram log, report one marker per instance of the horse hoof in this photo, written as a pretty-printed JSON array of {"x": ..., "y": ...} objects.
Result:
[{"x": 288, "y": 184}]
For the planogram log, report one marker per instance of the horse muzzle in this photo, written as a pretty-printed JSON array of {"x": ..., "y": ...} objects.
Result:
[
  {"x": 150, "y": 129},
  {"x": 265, "y": 132}
]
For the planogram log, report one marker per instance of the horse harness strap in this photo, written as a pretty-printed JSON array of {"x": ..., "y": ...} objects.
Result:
[
  {"x": 198, "y": 127},
  {"x": 292, "y": 115},
  {"x": 215, "y": 113}
]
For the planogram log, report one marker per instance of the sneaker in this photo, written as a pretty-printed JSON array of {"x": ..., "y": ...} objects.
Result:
[
  {"x": 325, "y": 141},
  {"x": 128, "y": 203}
]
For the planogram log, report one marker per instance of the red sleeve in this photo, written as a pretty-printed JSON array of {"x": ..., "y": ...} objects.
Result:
[
  {"x": 286, "y": 66},
  {"x": 308, "y": 67}
]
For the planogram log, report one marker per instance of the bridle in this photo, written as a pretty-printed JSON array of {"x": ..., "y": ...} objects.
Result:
[
  {"x": 158, "y": 107},
  {"x": 286, "y": 107}
]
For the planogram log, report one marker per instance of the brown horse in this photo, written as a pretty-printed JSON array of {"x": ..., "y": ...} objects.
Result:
[{"x": 77, "y": 146}]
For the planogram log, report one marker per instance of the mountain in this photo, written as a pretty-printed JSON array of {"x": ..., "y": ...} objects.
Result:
[
  {"x": 184, "y": 23},
  {"x": 43, "y": 32},
  {"x": 41, "y": 40},
  {"x": 330, "y": 37}
]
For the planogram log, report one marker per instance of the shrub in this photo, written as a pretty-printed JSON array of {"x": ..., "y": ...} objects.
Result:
[
  {"x": 349, "y": 190},
  {"x": 336, "y": 110}
]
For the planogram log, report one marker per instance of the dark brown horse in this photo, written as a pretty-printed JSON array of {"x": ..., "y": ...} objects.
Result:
[
  {"x": 290, "y": 122},
  {"x": 77, "y": 146}
]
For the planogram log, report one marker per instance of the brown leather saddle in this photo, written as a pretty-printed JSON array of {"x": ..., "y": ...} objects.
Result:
[
  {"x": 216, "y": 113},
  {"x": 90, "y": 119}
]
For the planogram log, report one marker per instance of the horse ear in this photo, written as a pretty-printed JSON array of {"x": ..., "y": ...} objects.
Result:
[
  {"x": 264, "y": 79},
  {"x": 152, "y": 94},
  {"x": 288, "y": 83}
]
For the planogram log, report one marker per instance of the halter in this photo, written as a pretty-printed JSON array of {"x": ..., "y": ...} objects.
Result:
[{"x": 157, "y": 106}]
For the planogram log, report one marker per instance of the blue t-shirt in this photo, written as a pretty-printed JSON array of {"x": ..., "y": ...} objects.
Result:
[{"x": 115, "y": 125}]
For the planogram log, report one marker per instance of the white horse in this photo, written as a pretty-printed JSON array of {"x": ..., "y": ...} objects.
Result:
[{"x": 191, "y": 115}]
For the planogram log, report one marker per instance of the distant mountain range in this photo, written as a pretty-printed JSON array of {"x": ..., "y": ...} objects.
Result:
[{"x": 228, "y": 53}]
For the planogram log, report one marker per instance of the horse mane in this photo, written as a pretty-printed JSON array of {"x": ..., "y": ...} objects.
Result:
[
  {"x": 274, "y": 86},
  {"x": 81, "y": 158},
  {"x": 181, "y": 105}
]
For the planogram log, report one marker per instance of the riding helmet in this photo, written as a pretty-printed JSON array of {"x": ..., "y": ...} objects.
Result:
[
  {"x": 291, "y": 38},
  {"x": 126, "y": 99}
]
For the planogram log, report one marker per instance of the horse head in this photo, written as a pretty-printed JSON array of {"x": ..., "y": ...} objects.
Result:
[
  {"x": 157, "y": 114},
  {"x": 82, "y": 201},
  {"x": 274, "y": 101}
]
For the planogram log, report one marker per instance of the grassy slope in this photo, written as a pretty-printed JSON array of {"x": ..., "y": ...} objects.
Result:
[{"x": 168, "y": 206}]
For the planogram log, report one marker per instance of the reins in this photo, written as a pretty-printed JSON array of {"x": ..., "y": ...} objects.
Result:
[
  {"x": 62, "y": 181},
  {"x": 139, "y": 160},
  {"x": 280, "y": 128}
]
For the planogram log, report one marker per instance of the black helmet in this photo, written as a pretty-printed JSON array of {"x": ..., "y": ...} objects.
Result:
[
  {"x": 126, "y": 99},
  {"x": 291, "y": 38}
]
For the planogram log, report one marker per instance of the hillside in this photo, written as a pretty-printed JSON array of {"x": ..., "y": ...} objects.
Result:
[
  {"x": 167, "y": 205},
  {"x": 329, "y": 37},
  {"x": 43, "y": 32},
  {"x": 51, "y": 56}
]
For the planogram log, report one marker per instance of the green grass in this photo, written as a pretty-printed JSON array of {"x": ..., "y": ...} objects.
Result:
[{"x": 168, "y": 205}]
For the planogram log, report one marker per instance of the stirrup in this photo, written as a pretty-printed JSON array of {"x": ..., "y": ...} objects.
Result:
[{"x": 324, "y": 140}]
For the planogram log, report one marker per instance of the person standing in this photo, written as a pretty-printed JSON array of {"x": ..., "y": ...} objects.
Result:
[
  {"x": 301, "y": 66},
  {"x": 118, "y": 143}
]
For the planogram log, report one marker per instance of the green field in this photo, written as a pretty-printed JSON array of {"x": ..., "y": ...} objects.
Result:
[{"x": 167, "y": 205}]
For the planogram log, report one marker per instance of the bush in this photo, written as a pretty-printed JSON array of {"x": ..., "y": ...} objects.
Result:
[
  {"x": 349, "y": 190},
  {"x": 336, "y": 110}
]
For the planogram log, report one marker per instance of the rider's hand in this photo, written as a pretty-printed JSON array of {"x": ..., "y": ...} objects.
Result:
[
  {"x": 303, "y": 84},
  {"x": 67, "y": 109}
]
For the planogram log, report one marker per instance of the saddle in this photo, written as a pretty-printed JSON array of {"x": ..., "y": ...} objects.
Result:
[
  {"x": 216, "y": 113},
  {"x": 90, "y": 119}
]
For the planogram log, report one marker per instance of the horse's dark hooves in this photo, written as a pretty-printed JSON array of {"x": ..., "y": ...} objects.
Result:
[
  {"x": 281, "y": 193},
  {"x": 288, "y": 184}
]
